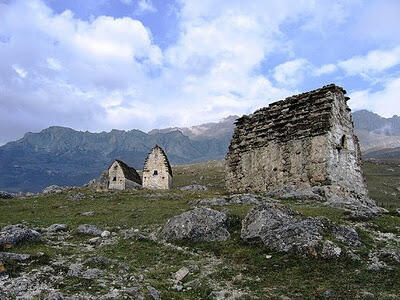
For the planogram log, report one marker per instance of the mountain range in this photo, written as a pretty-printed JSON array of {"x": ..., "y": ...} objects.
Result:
[{"x": 63, "y": 156}]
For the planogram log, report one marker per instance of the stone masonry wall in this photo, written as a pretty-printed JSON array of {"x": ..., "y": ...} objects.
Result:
[
  {"x": 115, "y": 172},
  {"x": 156, "y": 174},
  {"x": 303, "y": 141}
]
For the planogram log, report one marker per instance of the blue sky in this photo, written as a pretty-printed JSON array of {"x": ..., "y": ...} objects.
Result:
[{"x": 102, "y": 64}]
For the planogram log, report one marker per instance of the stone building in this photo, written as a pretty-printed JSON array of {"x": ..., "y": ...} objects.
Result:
[
  {"x": 122, "y": 177},
  {"x": 157, "y": 172},
  {"x": 303, "y": 142}
]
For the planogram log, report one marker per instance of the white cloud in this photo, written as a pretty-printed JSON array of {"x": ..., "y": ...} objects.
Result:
[
  {"x": 20, "y": 71},
  {"x": 385, "y": 102},
  {"x": 145, "y": 6},
  {"x": 375, "y": 61},
  {"x": 325, "y": 69},
  {"x": 291, "y": 72}
]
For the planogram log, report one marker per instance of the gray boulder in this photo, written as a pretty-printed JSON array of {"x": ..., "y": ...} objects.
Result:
[
  {"x": 282, "y": 229},
  {"x": 194, "y": 188},
  {"x": 200, "y": 224},
  {"x": 16, "y": 234},
  {"x": 89, "y": 229},
  {"x": 14, "y": 256},
  {"x": 57, "y": 227},
  {"x": 236, "y": 199},
  {"x": 359, "y": 209},
  {"x": 5, "y": 195},
  {"x": 295, "y": 193},
  {"x": 279, "y": 228}
]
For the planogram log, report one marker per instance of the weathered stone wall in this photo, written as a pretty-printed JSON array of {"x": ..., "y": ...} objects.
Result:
[
  {"x": 303, "y": 141},
  {"x": 156, "y": 171},
  {"x": 116, "y": 177}
]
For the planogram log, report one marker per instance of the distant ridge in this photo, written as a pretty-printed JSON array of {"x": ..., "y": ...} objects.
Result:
[{"x": 63, "y": 156}]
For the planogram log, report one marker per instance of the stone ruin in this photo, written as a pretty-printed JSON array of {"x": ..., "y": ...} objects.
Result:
[
  {"x": 122, "y": 177},
  {"x": 305, "y": 142},
  {"x": 157, "y": 172}
]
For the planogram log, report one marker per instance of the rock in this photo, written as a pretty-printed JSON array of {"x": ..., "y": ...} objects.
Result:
[
  {"x": 346, "y": 235},
  {"x": 330, "y": 250},
  {"x": 95, "y": 240},
  {"x": 362, "y": 209},
  {"x": 74, "y": 270},
  {"x": 91, "y": 273},
  {"x": 328, "y": 294},
  {"x": 55, "y": 296},
  {"x": 398, "y": 211},
  {"x": 153, "y": 293},
  {"x": 16, "y": 234},
  {"x": 281, "y": 229},
  {"x": 194, "y": 188},
  {"x": 98, "y": 260},
  {"x": 57, "y": 227},
  {"x": 105, "y": 233},
  {"x": 200, "y": 224},
  {"x": 53, "y": 189},
  {"x": 193, "y": 284},
  {"x": 89, "y": 229},
  {"x": 88, "y": 213},
  {"x": 112, "y": 295},
  {"x": 5, "y": 195},
  {"x": 181, "y": 274},
  {"x": 296, "y": 193},
  {"x": 77, "y": 196},
  {"x": 134, "y": 291},
  {"x": 366, "y": 295},
  {"x": 14, "y": 256},
  {"x": 237, "y": 199},
  {"x": 134, "y": 234}
]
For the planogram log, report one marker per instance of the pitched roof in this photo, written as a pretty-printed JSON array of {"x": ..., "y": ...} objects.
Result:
[
  {"x": 166, "y": 161},
  {"x": 129, "y": 172}
]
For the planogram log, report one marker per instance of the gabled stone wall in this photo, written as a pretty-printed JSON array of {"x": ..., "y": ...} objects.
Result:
[
  {"x": 116, "y": 177},
  {"x": 303, "y": 141},
  {"x": 157, "y": 173}
]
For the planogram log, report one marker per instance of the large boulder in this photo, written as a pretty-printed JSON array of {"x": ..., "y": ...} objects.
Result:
[
  {"x": 282, "y": 229},
  {"x": 200, "y": 224},
  {"x": 17, "y": 234}
]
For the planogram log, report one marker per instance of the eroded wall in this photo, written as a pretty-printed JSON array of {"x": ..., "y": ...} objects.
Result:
[
  {"x": 303, "y": 141},
  {"x": 116, "y": 177},
  {"x": 155, "y": 171}
]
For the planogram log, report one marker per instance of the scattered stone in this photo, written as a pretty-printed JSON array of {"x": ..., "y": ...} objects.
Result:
[
  {"x": 328, "y": 294},
  {"x": 14, "y": 256},
  {"x": 105, "y": 233},
  {"x": 281, "y": 229},
  {"x": 194, "y": 188},
  {"x": 98, "y": 260},
  {"x": 181, "y": 274},
  {"x": 92, "y": 273},
  {"x": 134, "y": 234},
  {"x": 112, "y": 295},
  {"x": 53, "y": 189},
  {"x": 153, "y": 293},
  {"x": 88, "y": 213},
  {"x": 95, "y": 240},
  {"x": 193, "y": 283},
  {"x": 74, "y": 270},
  {"x": 89, "y": 229},
  {"x": 237, "y": 199},
  {"x": 5, "y": 195},
  {"x": 77, "y": 196},
  {"x": 367, "y": 295},
  {"x": 177, "y": 287},
  {"x": 57, "y": 227},
  {"x": 346, "y": 235},
  {"x": 200, "y": 224},
  {"x": 330, "y": 250},
  {"x": 16, "y": 234},
  {"x": 398, "y": 211},
  {"x": 55, "y": 296}
]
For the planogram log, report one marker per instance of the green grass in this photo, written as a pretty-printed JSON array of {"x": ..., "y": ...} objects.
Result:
[{"x": 282, "y": 274}]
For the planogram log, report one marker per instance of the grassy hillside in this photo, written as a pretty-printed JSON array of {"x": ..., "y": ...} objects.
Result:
[{"x": 232, "y": 267}]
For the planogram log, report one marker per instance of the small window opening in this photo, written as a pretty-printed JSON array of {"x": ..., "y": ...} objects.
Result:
[
  {"x": 155, "y": 172},
  {"x": 114, "y": 179},
  {"x": 343, "y": 141}
]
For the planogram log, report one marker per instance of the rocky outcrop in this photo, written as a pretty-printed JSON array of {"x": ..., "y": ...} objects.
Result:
[
  {"x": 89, "y": 229},
  {"x": 237, "y": 199},
  {"x": 5, "y": 195},
  {"x": 304, "y": 141},
  {"x": 200, "y": 224},
  {"x": 17, "y": 234},
  {"x": 281, "y": 229},
  {"x": 194, "y": 188}
]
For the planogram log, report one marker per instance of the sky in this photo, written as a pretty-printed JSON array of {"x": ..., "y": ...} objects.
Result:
[{"x": 141, "y": 64}]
